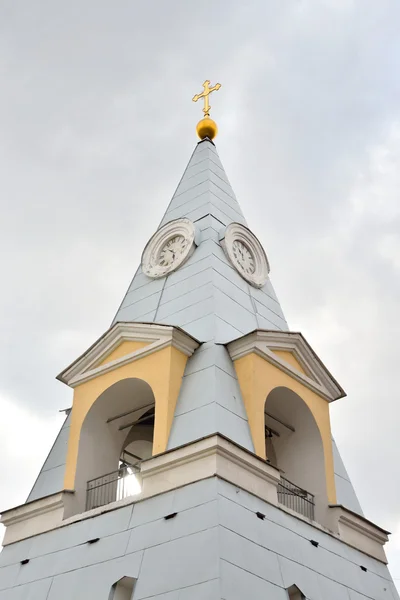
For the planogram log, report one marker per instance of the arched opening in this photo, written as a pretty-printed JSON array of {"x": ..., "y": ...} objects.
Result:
[
  {"x": 295, "y": 593},
  {"x": 294, "y": 445},
  {"x": 122, "y": 589},
  {"x": 116, "y": 435}
]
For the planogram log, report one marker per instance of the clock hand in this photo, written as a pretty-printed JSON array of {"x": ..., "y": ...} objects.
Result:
[{"x": 172, "y": 252}]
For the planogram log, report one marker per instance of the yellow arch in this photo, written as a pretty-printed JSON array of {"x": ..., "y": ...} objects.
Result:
[
  {"x": 163, "y": 371},
  {"x": 257, "y": 378}
]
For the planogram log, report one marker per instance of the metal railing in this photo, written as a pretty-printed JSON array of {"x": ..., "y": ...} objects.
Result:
[
  {"x": 296, "y": 498},
  {"x": 113, "y": 486}
]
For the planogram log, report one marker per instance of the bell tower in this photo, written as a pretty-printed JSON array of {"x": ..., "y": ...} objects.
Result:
[{"x": 197, "y": 460}]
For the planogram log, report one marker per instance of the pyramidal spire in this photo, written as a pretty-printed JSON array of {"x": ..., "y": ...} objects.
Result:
[{"x": 206, "y": 296}]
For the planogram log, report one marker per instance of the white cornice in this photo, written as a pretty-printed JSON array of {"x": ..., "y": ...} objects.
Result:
[
  {"x": 360, "y": 533},
  {"x": 158, "y": 337},
  {"x": 264, "y": 343},
  {"x": 32, "y": 509},
  {"x": 364, "y": 527},
  {"x": 215, "y": 445},
  {"x": 212, "y": 456}
]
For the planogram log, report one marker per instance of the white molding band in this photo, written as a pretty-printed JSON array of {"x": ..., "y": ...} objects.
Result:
[
  {"x": 33, "y": 518},
  {"x": 32, "y": 509},
  {"x": 358, "y": 532},
  {"x": 88, "y": 365},
  {"x": 213, "y": 456},
  {"x": 264, "y": 343}
]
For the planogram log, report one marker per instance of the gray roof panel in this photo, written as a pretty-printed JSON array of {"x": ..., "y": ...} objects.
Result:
[
  {"x": 344, "y": 489},
  {"x": 51, "y": 477}
]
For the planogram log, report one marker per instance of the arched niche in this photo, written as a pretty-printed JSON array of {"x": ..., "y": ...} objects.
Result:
[
  {"x": 118, "y": 427},
  {"x": 122, "y": 589},
  {"x": 294, "y": 593},
  {"x": 294, "y": 445}
]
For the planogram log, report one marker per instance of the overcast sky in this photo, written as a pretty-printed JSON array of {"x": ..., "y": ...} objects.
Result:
[{"x": 96, "y": 127}]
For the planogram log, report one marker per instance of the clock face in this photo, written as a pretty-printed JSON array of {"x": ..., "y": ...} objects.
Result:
[
  {"x": 169, "y": 248},
  {"x": 245, "y": 253},
  {"x": 244, "y": 257},
  {"x": 172, "y": 250}
]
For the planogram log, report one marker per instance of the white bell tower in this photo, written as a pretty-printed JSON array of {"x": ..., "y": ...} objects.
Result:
[{"x": 197, "y": 461}]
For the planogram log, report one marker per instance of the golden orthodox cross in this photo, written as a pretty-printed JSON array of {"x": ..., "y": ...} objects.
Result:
[{"x": 207, "y": 91}]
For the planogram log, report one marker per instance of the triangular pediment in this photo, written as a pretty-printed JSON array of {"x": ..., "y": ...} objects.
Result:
[
  {"x": 293, "y": 360},
  {"x": 124, "y": 343},
  {"x": 290, "y": 352},
  {"x": 123, "y": 348}
]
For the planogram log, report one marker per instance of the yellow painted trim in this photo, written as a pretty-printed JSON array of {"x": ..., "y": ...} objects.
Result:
[
  {"x": 290, "y": 359},
  {"x": 257, "y": 378},
  {"x": 162, "y": 370},
  {"x": 166, "y": 398},
  {"x": 122, "y": 350}
]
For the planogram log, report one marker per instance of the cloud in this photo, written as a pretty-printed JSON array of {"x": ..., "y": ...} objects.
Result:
[{"x": 26, "y": 439}]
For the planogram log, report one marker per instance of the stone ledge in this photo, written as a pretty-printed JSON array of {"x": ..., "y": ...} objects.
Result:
[
  {"x": 34, "y": 517},
  {"x": 212, "y": 456},
  {"x": 358, "y": 532},
  {"x": 205, "y": 458}
]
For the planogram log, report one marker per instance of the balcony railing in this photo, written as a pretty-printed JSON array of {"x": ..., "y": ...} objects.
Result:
[
  {"x": 114, "y": 486},
  {"x": 296, "y": 498}
]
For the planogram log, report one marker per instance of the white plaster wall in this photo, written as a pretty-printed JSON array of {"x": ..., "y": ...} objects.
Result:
[{"x": 215, "y": 547}]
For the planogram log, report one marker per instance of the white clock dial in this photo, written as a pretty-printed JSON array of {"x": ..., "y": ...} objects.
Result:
[
  {"x": 244, "y": 257},
  {"x": 245, "y": 253},
  {"x": 172, "y": 250},
  {"x": 169, "y": 248}
]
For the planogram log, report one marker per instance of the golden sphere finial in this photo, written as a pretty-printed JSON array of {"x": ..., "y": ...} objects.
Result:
[{"x": 206, "y": 128}]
